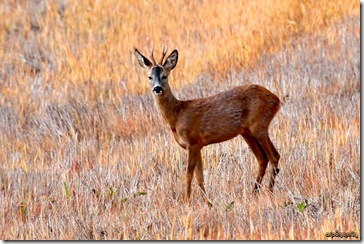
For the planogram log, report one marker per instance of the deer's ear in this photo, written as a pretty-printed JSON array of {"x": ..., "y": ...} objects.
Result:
[
  {"x": 143, "y": 61},
  {"x": 171, "y": 61}
]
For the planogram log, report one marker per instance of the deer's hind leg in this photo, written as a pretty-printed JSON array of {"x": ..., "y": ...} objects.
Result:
[
  {"x": 261, "y": 157},
  {"x": 275, "y": 169},
  {"x": 261, "y": 134}
]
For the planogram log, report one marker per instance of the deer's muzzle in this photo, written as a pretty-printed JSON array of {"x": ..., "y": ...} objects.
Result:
[{"x": 158, "y": 90}]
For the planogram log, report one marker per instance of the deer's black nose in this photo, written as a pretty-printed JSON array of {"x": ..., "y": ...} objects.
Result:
[{"x": 158, "y": 90}]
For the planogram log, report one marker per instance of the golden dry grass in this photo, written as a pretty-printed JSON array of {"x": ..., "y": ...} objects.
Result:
[{"x": 81, "y": 140}]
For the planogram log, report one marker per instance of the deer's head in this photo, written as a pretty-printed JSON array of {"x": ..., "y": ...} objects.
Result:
[{"x": 158, "y": 72}]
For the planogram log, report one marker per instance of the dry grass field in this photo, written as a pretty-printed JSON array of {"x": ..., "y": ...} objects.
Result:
[{"x": 85, "y": 154}]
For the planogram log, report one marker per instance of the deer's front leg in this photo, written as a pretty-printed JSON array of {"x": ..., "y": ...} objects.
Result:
[{"x": 194, "y": 155}]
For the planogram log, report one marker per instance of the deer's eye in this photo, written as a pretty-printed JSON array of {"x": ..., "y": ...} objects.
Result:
[
  {"x": 150, "y": 78},
  {"x": 164, "y": 77}
]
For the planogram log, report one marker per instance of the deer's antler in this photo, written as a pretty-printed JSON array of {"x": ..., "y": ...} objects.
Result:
[
  {"x": 151, "y": 55},
  {"x": 164, "y": 48}
]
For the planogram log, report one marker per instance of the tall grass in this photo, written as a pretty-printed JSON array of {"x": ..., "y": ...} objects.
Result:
[{"x": 84, "y": 153}]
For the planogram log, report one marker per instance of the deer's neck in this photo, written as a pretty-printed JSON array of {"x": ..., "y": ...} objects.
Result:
[{"x": 169, "y": 106}]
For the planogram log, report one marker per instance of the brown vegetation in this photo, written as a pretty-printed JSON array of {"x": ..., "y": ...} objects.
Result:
[{"x": 84, "y": 153}]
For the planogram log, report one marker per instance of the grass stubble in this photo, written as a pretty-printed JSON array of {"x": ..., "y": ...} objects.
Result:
[{"x": 84, "y": 153}]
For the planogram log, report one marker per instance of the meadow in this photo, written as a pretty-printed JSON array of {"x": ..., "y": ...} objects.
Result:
[{"x": 85, "y": 154}]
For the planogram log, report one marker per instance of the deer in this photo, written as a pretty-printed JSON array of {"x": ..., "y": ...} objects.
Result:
[{"x": 244, "y": 110}]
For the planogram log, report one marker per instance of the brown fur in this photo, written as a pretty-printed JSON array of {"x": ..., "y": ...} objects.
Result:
[{"x": 244, "y": 110}]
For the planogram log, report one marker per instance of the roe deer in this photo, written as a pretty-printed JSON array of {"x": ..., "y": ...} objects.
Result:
[{"x": 244, "y": 110}]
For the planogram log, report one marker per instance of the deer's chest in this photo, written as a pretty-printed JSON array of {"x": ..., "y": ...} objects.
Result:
[
  {"x": 179, "y": 139},
  {"x": 186, "y": 137}
]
